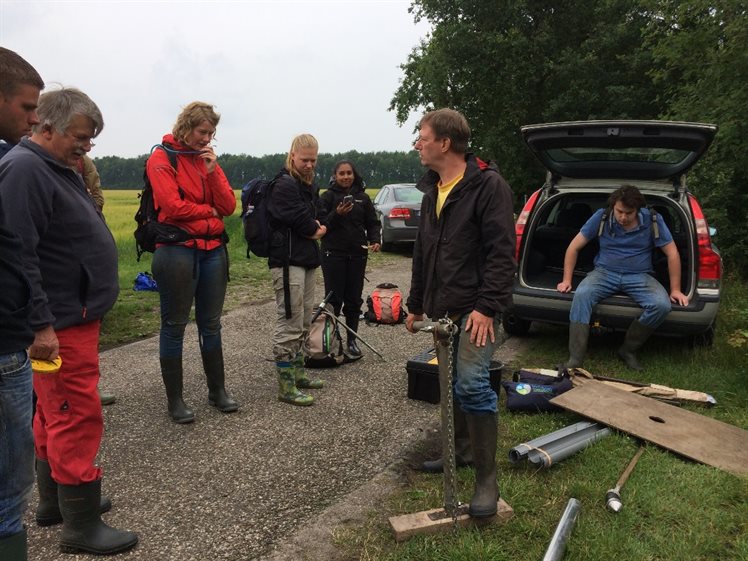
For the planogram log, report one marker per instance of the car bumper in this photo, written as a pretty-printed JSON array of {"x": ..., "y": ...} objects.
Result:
[
  {"x": 399, "y": 232},
  {"x": 616, "y": 312}
]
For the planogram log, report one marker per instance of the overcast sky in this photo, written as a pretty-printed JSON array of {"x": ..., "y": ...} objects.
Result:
[{"x": 273, "y": 69}]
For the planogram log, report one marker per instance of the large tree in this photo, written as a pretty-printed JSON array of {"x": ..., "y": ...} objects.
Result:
[
  {"x": 507, "y": 63},
  {"x": 702, "y": 73}
]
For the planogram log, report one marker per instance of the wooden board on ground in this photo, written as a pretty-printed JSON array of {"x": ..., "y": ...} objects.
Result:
[
  {"x": 436, "y": 520},
  {"x": 689, "y": 434}
]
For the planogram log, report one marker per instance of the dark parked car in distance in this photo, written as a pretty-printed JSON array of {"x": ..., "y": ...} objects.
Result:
[
  {"x": 398, "y": 207},
  {"x": 585, "y": 162}
]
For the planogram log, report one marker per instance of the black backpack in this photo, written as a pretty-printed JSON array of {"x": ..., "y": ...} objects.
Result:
[
  {"x": 149, "y": 231},
  {"x": 257, "y": 230}
]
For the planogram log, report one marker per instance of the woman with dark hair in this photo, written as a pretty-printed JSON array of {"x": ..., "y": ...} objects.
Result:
[
  {"x": 352, "y": 230},
  {"x": 193, "y": 195}
]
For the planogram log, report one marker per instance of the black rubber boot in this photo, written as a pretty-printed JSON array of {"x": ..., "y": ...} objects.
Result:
[
  {"x": 216, "y": 376},
  {"x": 579, "y": 334},
  {"x": 48, "y": 512},
  {"x": 483, "y": 435},
  {"x": 171, "y": 372},
  {"x": 82, "y": 527},
  {"x": 463, "y": 453},
  {"x": 636, "y": 336},
  {"x": 15, "y": 547}
]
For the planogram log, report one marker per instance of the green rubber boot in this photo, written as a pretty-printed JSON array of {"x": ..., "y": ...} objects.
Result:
[
  {"x": 636, "y": 336},
  {"x": 287, "y": 390},
  {"x": 300, "y": 375},
  {"x": 48, "y": 512},
  {"x": 579, "y": 334}
]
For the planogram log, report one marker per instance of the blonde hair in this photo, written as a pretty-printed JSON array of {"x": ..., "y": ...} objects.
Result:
[
  {"x": 191, "y": 116},
  {"x": 301, "y": 141}
]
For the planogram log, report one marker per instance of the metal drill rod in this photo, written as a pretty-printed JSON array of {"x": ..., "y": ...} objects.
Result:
[
  {"x": 613, "y": 496},
  {"x": 557, "y": 547}
]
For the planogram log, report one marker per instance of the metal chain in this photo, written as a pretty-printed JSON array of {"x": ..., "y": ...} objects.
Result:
[{"x": 451, "y": 503}]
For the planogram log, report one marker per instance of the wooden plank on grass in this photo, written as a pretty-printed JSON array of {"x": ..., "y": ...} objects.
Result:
[
  {"x": 694, "y": 436},
  {"x": 437, "y": 520}
]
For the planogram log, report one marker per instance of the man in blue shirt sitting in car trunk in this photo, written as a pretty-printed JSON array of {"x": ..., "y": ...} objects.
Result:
[{"x": 627, "y": 238}]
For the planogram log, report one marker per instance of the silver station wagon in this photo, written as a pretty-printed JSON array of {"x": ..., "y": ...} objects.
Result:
[{"x": 585, "y": 162}]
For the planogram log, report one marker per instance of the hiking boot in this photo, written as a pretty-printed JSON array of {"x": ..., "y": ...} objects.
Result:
[
  {"x": 171, "y": 372},
  {"x": 48, "y": 512},
  {"x": 82, "y": 527},
  {"x": 579, "y": 334},
  {"x": 14, "y": 547},
  {"x": 301, "y": 377},
  {"x": 287, "y": 390},
  {"x": 483, "y": 435},
  {"x": 636, "y": 335},
  {"x": 463, "y": 453},
  {"x": 216, "y": 375}
]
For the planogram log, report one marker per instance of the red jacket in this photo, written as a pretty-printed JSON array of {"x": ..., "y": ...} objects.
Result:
[{"x": 186, "y": 197}]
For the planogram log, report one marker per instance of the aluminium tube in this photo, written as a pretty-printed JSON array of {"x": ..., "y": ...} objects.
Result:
[{"x": 557, "y": 547}]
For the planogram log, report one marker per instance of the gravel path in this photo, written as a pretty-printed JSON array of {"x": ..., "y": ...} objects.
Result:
[{"x": 267, "y": 482}]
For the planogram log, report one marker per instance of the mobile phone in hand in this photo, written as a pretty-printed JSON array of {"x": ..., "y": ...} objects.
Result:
[{"x": 348, "y": 199}]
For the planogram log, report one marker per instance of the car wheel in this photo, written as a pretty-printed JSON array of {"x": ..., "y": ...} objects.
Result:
[
  {"x": 705, "y": 339},
  {"x": 515, "y": 325}
]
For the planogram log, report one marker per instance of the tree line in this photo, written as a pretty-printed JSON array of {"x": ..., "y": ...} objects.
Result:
[
  {"x": 508, "y": 63},
  {"x": 377, "y": 168}
]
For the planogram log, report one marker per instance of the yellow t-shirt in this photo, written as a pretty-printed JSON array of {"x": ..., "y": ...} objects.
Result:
[{"x": 444, "y": 191}]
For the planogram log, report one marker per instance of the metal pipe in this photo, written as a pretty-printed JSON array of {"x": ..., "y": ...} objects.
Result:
[
  {"x": 558, "y": 445},
  {"x": 557, "y": 547}
]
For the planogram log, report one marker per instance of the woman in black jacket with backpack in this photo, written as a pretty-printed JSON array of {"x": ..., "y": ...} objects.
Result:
[{"x": 352, "y": 230}]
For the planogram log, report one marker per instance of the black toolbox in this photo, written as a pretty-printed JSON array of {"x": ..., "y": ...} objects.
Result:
[{"x": 423, "y": 376}]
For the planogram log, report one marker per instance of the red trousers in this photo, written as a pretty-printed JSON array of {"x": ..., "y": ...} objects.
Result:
[{"x": 68, "y": 424}]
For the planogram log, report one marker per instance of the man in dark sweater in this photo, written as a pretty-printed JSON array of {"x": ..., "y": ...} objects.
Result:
[
  {"x": 70, "y": 260},
  {"x": 19, "y": 95}
]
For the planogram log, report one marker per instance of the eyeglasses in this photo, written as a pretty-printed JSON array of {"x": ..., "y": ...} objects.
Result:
[{"x": 81, "y": 140}]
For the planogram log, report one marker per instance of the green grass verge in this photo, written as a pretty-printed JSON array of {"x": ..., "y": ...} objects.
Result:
[{"x": 674, "y": 509}]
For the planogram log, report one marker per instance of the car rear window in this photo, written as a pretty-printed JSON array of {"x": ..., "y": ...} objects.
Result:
[
  {"x": 408, "y": 195},
  {"x": 632, "y": 154}
]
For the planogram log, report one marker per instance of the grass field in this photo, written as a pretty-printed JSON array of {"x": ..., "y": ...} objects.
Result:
[{"x": 674, "y": 510}]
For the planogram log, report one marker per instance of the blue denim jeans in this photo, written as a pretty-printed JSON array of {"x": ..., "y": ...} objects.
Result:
[
  {"x": 16, "y": 440},
  {"x": 643, "y": 288},
  {"x": 184, "y": 274},
  {"x": 471, "y": 379}
]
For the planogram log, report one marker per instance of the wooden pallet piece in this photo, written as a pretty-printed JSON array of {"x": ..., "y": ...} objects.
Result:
[
  {"x": 689, "y": 434},
  {"x": 436, "y": 520}
]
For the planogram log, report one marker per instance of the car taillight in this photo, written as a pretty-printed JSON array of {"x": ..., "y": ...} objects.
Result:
[
  {"x": 519, "y": 226},
  {"x": 710, "y": 263},
  {"x": 403, "y": 213}
]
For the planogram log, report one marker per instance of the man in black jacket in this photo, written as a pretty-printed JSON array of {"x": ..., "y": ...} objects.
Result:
[
  {"x": 70, "y": 259},
  {"x": 463, "y": 267},
  {"x": 294, "y": 258},
  {"x": 19, "y": 96}
]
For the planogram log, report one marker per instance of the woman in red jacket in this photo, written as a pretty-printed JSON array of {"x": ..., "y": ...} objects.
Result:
[{"x": 194, "y": 195}]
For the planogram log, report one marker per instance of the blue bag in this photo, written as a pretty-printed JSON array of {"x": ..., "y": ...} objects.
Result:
[
  {"x": 144, "y": 281},
  {"x": 530, "y": 391}
]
